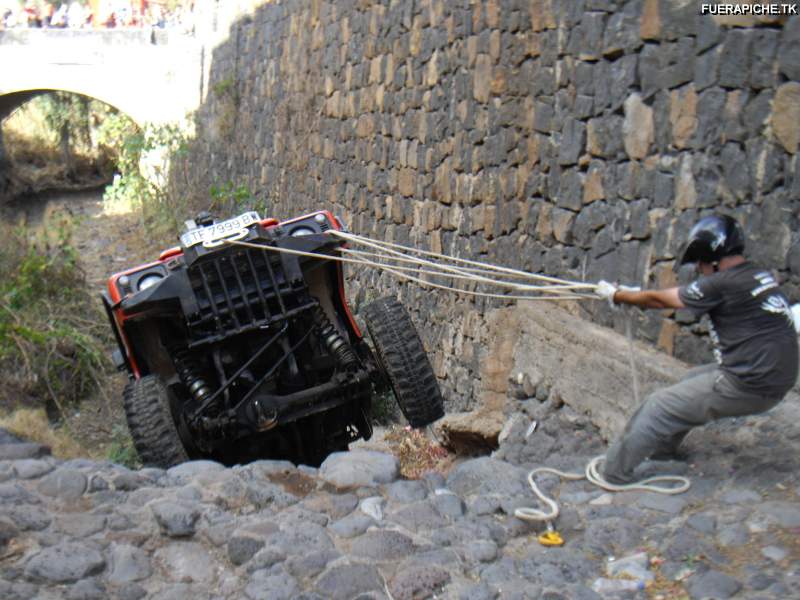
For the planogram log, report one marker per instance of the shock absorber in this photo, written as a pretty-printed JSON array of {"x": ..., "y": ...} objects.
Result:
[
  {"x": 190, "y": 372},
  {"x": 334, "y": 341}
]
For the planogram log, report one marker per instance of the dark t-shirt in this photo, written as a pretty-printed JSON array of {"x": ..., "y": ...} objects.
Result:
[{"x": 752, "y": 327}]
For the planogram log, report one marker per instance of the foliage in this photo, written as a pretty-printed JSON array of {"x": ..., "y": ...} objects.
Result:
[
  {"x": 51, "y": 338},
  {"x": 121, "y": 450},
  {"x": 384, "y": 408},
  {"x": 226, "y": 107},
  {"x": 68, "y": 114},
  {"x": 229, "y": 199},
  {"x": 58, "y": 132},
  {"x": 225, "y": 87},
  {"x": 144, "y": 157}
]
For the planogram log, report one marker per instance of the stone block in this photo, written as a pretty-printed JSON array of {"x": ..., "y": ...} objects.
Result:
[
  {"x": 586, "y": 40},
  {"x": 621, "y": 34},
  {"x": 544, "y": 223},
  {"x": 785, "y": 118},
  {"x": 663, "y": 189},
  {"x": 639, "y": 219},
  {"x": 757, "y": 112},
  {"x": 708, "y": 34},
  {"x": 573, "y": 138},
  {"x": 683, "y": 115},
  {"x": 685, "y": 192},
  {"x": 734, "y": 65},
  {"x": 543, "y": 15},
  {"x": 638, "y": 127},
  {"x": 570, "y": 190},
  {"x": 706, "y": 68},
  {"x": 789, "y": 52},
  {"x": 543, "y": 117},
  {"x": 583, "y": 78},
  {"x": 763, "y": 47},
  {"x": 733, "y": 125},
  {"x": 650, "y": 21},
  {"x": 710, "y": 105},
  {"x": 593, "y": 184},
  {"x": 678, "y": 19},
  {"x": 604, "y": 137},
  {"x": 735, "y": 171},
  {"x": 482, "y": 79},
  {"x": 407, "y": 182},
  {"x": 667, "y": 65},
  {"x": 543, "y": 81},
  {"x": 563, "y": 221}
]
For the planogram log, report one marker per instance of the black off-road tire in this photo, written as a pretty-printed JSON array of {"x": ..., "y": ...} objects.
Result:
[
  {"x": 405, "y": 362},
  {"x": 150, "y": 421}
]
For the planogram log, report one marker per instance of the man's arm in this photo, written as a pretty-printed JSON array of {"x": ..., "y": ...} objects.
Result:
[{"x": 667, "y": 298}]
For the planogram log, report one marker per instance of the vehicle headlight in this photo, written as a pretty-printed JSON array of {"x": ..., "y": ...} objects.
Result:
[
  {"x": 149, "y": 280},
  {"x": 300, "y": 231}
]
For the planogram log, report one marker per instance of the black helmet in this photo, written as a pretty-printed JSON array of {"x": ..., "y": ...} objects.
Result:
[{"x": 711, "y": 239}]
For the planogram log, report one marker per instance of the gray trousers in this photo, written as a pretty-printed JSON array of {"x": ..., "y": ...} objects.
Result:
[{"x": 666, "y": 416}]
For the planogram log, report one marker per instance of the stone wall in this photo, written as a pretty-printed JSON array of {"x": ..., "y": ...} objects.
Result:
[{"x": 578, "y": 138}]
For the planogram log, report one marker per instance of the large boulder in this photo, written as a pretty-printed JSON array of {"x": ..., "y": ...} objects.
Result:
[
  {"x": 553, "y": 353},
  {"x": 359, "y": 468}
]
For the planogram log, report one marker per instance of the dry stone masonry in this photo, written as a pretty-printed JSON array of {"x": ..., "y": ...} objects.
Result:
[{"x": 577, "y": 138}]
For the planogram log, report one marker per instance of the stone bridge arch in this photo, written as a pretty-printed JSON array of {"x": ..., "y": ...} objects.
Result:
[{"x": 150, "y": 77}]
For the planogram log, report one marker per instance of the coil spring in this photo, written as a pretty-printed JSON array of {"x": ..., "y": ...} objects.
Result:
[
  {"x": 190, "y": 372},
  {"x": 334, "y": 341}
]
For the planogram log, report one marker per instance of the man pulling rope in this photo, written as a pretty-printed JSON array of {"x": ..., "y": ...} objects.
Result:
[{"x": 756, "y": 349}]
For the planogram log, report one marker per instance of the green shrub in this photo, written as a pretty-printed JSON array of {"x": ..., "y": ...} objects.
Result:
[
  {"x": 121, "y": 450},
  {"x": 144, "y": 157},
  {"x": 51, "y": 330}
]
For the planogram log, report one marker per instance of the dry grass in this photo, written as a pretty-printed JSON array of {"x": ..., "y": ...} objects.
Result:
[
  {"x": 416, "y": 452},
  {"x": 32, "y": 424}
]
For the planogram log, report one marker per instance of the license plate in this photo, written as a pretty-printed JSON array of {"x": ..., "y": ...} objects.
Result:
[{"x": 219, "y": 231}]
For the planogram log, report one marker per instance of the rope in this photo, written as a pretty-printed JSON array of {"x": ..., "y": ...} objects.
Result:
[
  {"x": 367, "y": 241},
  {"x": 559, "y": 289},
  {"x": 592, "y": 474}
]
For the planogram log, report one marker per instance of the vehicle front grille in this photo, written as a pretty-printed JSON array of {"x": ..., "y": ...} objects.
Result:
[{"x": 239, "y": 289}]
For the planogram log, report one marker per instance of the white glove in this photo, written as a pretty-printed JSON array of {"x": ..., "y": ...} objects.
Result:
[
  {"x": 630, "y": 288},
  {"x": 606, "y": 291}
]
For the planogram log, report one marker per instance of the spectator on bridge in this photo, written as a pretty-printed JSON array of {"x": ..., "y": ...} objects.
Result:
[
  {"x": 32, "y": 14},
  {"x": 8, "y": 20},
  {"x": 59, "y": 18}
]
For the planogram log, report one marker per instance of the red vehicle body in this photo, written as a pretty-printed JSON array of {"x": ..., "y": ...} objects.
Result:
[{"x": 236, "y": 351}]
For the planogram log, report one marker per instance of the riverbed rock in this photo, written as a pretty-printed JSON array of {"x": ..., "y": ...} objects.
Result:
[
  {"x": 65, "y": 562},
  {"x": 359, "y": 468},
  {"x": 64, "y": 484}
]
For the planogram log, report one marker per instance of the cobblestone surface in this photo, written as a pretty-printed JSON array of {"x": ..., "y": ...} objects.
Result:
[{"x": 732, "y": 535}]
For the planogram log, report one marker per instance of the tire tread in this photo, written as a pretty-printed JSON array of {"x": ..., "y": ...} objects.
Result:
[
  {"x": 151, "y": 424},
  {"x": 403, "y": 356}
]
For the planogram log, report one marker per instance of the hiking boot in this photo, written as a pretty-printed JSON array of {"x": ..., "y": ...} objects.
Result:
[
  {"x": 617, "y": 479},
  {"x": 675, "y": 454}
]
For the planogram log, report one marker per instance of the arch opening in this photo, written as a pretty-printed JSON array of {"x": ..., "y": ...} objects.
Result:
[{"x": 57, "y": 139}]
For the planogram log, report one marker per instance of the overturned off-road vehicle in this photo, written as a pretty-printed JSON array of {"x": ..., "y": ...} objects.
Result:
[{"x": 236, "y": 351}]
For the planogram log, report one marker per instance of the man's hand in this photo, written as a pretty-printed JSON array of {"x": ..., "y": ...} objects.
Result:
[{"x": 606, "y": 291}]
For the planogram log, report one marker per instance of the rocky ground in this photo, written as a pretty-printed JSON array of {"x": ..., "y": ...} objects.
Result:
[{"x": 82, "y": 529}]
